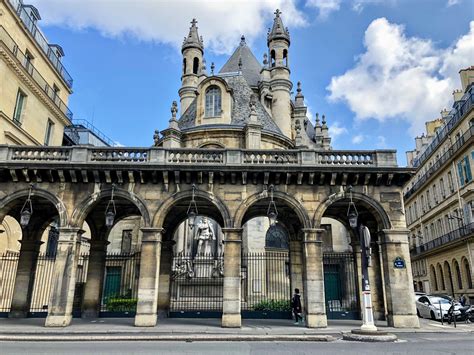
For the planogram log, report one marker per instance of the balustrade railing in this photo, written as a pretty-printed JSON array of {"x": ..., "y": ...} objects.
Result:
[
  {"x": 182, "y": 156},
  {"x": 178, "y": 156},
  {"x": 40, "y": 39},
  {"x": 40, "y": 153},
  {"x": 119, "y": 154},
  {"x": 33, "y": 72}
]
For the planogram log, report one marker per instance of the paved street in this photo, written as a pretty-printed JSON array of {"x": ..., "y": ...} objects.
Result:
[{"x": 426, "y": 343}]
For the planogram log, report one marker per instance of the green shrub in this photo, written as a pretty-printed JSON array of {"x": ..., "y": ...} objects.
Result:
[
  {"x": 273, "y": 305},
  {"x": 121, "y": 304}
]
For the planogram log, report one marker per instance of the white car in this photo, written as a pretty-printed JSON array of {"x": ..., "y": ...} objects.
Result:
[{"x": 434, "y": 307}]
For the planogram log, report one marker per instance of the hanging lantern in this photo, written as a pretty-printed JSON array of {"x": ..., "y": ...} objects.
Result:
[
  {"x": 192, "y": 210},
  {"x": 110, "y": 210},
  {"x": 26, "y": 210},
  {"x": 352, "y": 214},
  {"x": 272, "y": 212}
]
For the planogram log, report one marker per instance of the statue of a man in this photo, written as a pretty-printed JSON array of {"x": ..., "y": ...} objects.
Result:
[{"x": 204, "y": 234}]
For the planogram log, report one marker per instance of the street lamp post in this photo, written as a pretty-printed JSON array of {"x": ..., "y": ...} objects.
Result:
[{"x": 363, "y": 234}]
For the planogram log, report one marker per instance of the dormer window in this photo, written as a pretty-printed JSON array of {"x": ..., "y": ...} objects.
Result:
[{"x": 213, "y": 102}]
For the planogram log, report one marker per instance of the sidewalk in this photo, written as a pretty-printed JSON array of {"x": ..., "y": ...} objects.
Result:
[{"x": 196, "y": 329}]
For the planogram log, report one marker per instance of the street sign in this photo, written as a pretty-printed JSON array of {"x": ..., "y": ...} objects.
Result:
[{"x": 399, "y": 263}]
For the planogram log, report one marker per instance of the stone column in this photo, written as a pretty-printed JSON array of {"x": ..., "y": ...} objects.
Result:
[
  {"x": 399, "y": 289},
  {"x": 165, "y": 275},
  {"x": 147, "y": 305},
  {"x": 63, "y": 283},
  {"x": 313, "y": 279},
  {"x": 231, "y": 317},
  {"x": 95, "y": 279},
  {"x": 25, "y": 277}
]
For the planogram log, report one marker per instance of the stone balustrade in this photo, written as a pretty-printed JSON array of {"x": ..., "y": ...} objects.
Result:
[{"x": 182, "y": 156}]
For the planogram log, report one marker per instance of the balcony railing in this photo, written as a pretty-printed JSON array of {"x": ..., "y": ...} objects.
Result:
[
  {"x": 33, "y": 72},
  {"x": 452, "y": 119},
  {"x": 185, "y": 156},
  {"x": 41, "y": 40},
  {"x": 464, "y": 231},
  {"x": 440, "y": 162},
  {"x": 93, "y": 129}
]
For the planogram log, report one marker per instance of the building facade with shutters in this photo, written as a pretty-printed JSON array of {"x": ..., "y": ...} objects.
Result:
[{"x": 439, "y": 199}]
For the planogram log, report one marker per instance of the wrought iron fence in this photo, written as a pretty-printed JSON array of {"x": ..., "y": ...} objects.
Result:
[
  {"x": 196, "y": 285},
  {"x": 341, "y": 296},
  {"x": 266, "y": 283},
  {"x": 120, "y": 286}
]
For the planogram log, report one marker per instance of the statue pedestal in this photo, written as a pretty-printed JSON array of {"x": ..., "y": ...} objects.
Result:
[{"x": 203, "y": 266}]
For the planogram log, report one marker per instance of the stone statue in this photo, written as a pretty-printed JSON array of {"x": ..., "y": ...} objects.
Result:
[{"x": 204, "y": 235}]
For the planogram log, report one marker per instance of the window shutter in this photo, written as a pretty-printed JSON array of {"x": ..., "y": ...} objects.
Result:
[
  {"x": 468, "y": 169},
  {"x": 461, "y": 175}
]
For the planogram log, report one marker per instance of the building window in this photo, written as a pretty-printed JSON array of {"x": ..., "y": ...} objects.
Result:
[
  {"x": 49, "y": 132},
  {"x": 126, "y": 246},
  {"x": 277, "y": 237},
  {"x": 442, "y": 188},
  {"x": 195, "y": 65},
  {"x": 464, "y": 171},
  {"x": 213, "y": 102},
  {"x": 433, "y": 277},
  {"x": 184, "y": 66},
  {"x": 19, "y": 106},
  {"x": 458, "y": 274},
  {"x": 55, "y": 92},
  {"x": 29, "y": 62},
  {"x": 415, "y": 207},
  {"x": 467, "y": 271},
  {"x": 435, "y": 194},
  {"x": 441, "y": 277},
  {"x": 450, "y": 181},
  {"x": 52, "y": 245}
]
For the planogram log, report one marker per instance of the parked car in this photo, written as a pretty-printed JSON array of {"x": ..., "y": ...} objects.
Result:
[
  {"x": 419, "y": 294},
  {"x": 428, "y": 306}
]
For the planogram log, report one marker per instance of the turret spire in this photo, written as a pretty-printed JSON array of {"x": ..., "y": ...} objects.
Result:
[
  {"x": 193, "y": 40},
  {"x": 279, "y": 31}
]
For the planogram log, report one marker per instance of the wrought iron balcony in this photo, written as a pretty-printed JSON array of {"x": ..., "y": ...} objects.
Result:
[
  {"x": 460, "y": 143},
  {"x": 454, "y": 116},
  {"x": 465, "y": 231},
  {"x": 11, "y": 45},
  {"x": 41, "y": 40}
]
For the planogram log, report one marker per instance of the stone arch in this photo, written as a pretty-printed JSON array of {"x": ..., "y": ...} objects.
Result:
[
  {"x": 466, "y": 270},
  {"x": 36, "y": 192},
  {"x": 167, "y": 205},
  {"x": 82, "y": 210},
  {"x": 433, "y": 277},
  {"x": 458, "y": 275},
  {"x": 442, "y": 283},
  {"x": 372, "y": 205},
  {"x": 277, "y": 195},
  {"x": 212, "y": 144}
]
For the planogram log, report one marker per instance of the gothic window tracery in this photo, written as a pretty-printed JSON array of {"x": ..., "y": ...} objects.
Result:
[{"x": 276, "y": 237}]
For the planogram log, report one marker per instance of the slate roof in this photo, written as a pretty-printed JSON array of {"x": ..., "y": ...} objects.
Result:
[
  {"x": 240, "y": 109},
  {"x": 250, "y": 65}
]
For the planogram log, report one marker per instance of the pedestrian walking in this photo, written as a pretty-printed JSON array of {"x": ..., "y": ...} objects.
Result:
[
  {"x": 463, "y": 300},
  {"x": 296, "y": 306}
]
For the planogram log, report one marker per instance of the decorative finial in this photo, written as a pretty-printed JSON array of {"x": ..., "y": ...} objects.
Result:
[
  {"x": 203, "y": 65},
  {"x": 174, "y": 109},
  {"x": 212, "y": 68},
  {"x": 317, "y": 118},
  {"x": 201, "y": 39},
  {"x": 156, "y": 137},
  {"x": 193, "y": 22},
  {"x": 242, "y": 40},
  {"x": 324, "y": 119},
  {"x": 277, "y": 13},
  {"x": 265, "y": 59},
  {"x": 298, "y": 89}
]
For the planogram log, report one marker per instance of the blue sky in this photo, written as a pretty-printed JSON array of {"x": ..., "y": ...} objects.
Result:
[{"x": 377, "y": 69}]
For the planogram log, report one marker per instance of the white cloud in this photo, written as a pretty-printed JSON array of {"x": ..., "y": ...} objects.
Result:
[
  {"x": 402, "y": 77},
  {"x": 358, "y": 139},
  {"x": 452, "y": 2},
  {"x": 324, "y": 7},
  {"x": 335, "y": 130},
  {"x": 220, "y": 22},
  {"x": 381, "y": 142}
]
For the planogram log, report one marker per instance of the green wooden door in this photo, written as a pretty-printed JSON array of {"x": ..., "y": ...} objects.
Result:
[{"x": 113, "y": 276}]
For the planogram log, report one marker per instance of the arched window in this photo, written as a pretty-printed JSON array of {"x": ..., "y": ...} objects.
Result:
[
  {"x": 213, "y": 102},
  {"x": 458, "y": 274},
  {"x": 433, "y": 277},
  {"x": 467, "y": 271},
  {"x": 441, "y": 277},
  {"x": 449, "y": 277},
  {"x": 285, "y": 57},
  {"x": 184, "y": 66},
  {"x": 420, "y": 286},
  {"x": 272, "y": 58},
  {"x": 195, "y": 65},
  {"x": 276, "y": 237}
]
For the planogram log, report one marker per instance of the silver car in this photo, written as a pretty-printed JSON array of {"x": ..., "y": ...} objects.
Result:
[{"x": 435, "y": 307}]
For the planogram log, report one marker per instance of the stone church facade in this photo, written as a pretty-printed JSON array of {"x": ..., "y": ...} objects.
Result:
[{"x": 240, "y": 147}]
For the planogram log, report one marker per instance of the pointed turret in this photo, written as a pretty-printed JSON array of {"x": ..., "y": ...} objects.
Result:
[
  {"x": 278, "y": 49},
  {"x": 278, "y": 31},
  {"x": 193, "y": 52}
]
